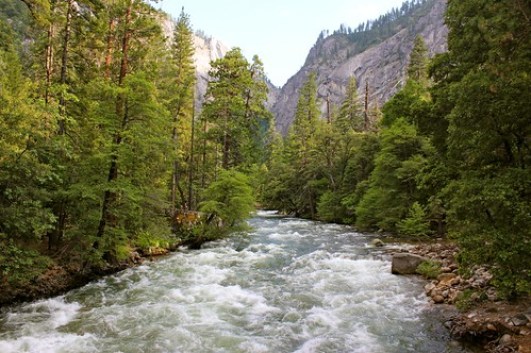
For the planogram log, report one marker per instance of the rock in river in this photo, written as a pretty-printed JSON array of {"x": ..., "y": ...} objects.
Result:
[{"x": 405, "y": 264}]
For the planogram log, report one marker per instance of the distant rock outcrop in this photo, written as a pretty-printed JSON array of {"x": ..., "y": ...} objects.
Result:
[
  {"x": 208, "y": 49},
  {"x": 382, "y": 65}
]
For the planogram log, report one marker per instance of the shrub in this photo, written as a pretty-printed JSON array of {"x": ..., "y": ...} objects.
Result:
[{"x": 429, "y": 269}]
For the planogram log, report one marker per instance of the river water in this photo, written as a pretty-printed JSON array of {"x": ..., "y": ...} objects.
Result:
[{"x": 290, "y": 286}]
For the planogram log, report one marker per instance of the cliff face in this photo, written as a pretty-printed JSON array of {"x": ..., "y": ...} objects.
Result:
[
  {"x": 382, "y": 66},
  {"x": 208, "y": 49}
]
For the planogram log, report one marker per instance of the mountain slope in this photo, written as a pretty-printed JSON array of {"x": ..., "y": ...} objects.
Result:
[{"x": 382, "y": 65}]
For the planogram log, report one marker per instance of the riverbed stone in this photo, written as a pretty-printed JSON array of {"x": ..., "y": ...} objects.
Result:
[
  {"x": 428, "y": 288},
  {"x": 438, "y": 299},
  {"x": 520, "y": 320},
  {"x": 506, "y": 340},
  {"x": 406, "y": 264},
  {"x": 377, "y": 243},
  {"x": 446, "y": 279}
]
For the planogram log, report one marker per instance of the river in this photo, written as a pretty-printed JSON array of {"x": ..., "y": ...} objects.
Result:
[{"x": 291, "y": 285}]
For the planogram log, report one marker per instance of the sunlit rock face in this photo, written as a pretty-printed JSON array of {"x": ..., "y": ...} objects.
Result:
[
  {"x": 381, "y": 66},
  {"x": 208, "y": 49}
]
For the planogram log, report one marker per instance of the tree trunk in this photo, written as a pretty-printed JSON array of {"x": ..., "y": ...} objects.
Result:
[
  {"x": 191, "y": 164},
  {"x": 226, "y": 143},
  {"x": 203, "y": 157},
  {"x": 366, "y": 108},
  {"x": 175, "y": 172},
  {"x": 49, "y": 62},
  {"x": 64, "y": 64},
  {"x": 109, "y": 198}
]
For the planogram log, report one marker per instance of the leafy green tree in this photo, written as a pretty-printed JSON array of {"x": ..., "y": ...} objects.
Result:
[
  {"x": 488, "y": 84},
  {"x": 393, "y": 186},
  {"x": 137, "y": 132},
  {"x": 229, "y": 200},
  {"x": 416, "y": 224},
  {"x": 25, "y": 129}
]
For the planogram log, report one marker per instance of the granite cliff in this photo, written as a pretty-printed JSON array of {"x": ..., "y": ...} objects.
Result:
[
  {"x": 382, "y": 65},
  {"x": 208, "y": 49}
]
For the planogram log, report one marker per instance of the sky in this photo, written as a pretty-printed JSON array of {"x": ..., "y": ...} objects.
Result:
[{"x": 280, "y": 32}]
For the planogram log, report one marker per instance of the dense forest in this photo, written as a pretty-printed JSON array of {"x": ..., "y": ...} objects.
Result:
[{"x": 102, "y": 151}]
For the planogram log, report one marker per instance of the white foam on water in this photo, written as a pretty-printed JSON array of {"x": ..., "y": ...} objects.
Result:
[
  {"x": 50, "y": 344},
  {"x": 294, "y": 286}
]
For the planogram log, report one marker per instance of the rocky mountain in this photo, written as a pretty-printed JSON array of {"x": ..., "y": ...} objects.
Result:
[
  {"x": 376, "y": 54},
  {"x": 208, "y": 49}
]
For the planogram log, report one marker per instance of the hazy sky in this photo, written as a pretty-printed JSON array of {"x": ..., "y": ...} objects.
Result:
[{"x": 280, "y": 32}]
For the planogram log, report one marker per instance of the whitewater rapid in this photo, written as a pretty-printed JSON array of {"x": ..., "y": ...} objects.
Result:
[{"x": 290, "y": 285}]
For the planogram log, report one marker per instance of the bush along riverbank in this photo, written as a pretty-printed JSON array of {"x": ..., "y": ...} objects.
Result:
[
  {"x": 62, "y": 275},
  {"x": 484, "y": 317}
]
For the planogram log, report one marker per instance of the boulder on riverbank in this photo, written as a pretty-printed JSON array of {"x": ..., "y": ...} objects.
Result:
[
  {"x": 405, "y": 263},
  {"x": 498, "y": 326}
]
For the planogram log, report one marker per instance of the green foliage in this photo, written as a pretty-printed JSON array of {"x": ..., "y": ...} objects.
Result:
[
  {"x": 486, "y": 79},
  {"x": 19, "y": 266},
  {"x": 430, "y": 269},
  {"x": 235, "y": 118},
  {"x": 300, "y": 165},
  {"x": 330, "y": 208},
  {"x": 229, "y": 200},
  {"x": 415, "y": 224},
  {"x": 146, "y": 240},
  {"x": 418, "y": 62},
  {"x": 393, "y": 185},
  {"x": 375, "y": 31},
  {"x": 490, "y": 219}
]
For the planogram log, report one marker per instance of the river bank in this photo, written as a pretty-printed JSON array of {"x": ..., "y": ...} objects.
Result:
[
  {"x": 60, "y": 278},
  {"x": 483, "y": 317}
]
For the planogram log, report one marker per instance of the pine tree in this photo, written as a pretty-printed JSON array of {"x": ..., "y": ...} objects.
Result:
[
  {"x": 235, "y": 115},
  {"x": 417, "y": 69},
  {"x": 182, "y": 105},
  {"x": 350, "y": 115}
]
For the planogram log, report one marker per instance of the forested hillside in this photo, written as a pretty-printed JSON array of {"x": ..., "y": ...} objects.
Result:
[{"x": 448, "y": 156}]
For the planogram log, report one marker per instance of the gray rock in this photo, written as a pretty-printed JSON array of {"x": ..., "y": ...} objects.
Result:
[
  {"x": 506, "y": 340},
  {"x": 377, "y": 243},
  {"x": 382, "y": 66},
  {"x": 519, "y": 320},
  {"x": 406, "y": 264}
]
